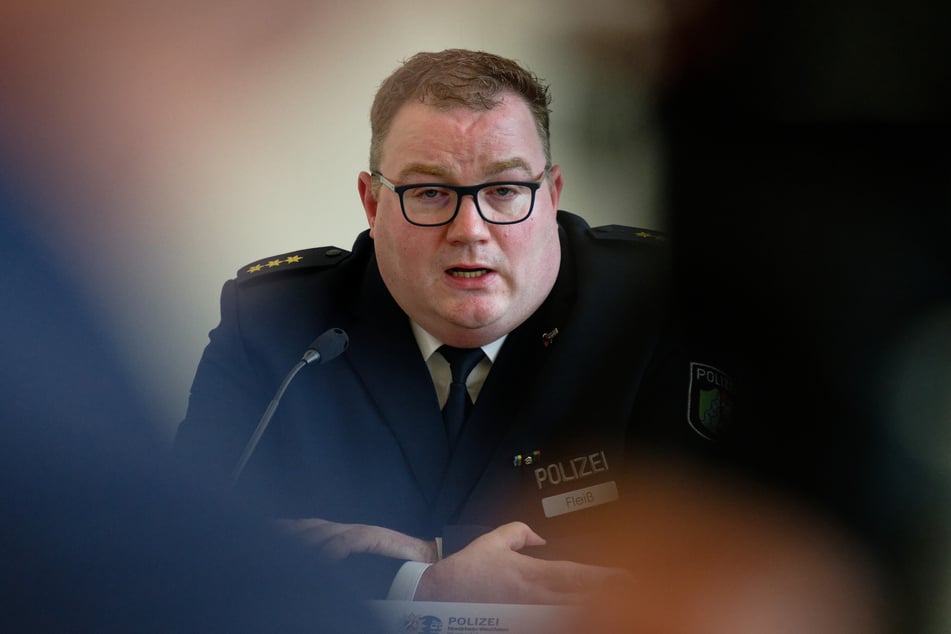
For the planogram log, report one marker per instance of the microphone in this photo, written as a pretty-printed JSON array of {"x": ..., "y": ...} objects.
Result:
[{"x": 326, "y": 347}]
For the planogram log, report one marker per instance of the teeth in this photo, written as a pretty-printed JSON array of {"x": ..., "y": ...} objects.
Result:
[{"x": 470, "y": 274}]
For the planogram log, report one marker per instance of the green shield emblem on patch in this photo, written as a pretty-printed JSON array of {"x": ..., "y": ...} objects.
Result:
[{"x": 710, "y": 400}]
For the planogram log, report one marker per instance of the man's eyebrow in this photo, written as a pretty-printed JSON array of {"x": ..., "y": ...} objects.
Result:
[
  {"x": 442, "y": 173},
  {"x": 503, "y": 166},
  {"x": 423, "y": 169}
]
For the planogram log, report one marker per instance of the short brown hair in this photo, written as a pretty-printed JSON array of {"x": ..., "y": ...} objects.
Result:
[{"x": 456, "y": 77}]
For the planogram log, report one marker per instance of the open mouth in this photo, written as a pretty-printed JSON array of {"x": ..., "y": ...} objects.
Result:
[{"x": 467, "y": 273}]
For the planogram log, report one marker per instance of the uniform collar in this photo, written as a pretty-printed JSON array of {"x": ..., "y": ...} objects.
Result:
[{"x": 428, "y": 344}]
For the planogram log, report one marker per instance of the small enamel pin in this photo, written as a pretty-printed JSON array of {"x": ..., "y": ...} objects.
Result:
[
  {"x": 528, "y": 459},
  {"x": 549, "y": 337}
]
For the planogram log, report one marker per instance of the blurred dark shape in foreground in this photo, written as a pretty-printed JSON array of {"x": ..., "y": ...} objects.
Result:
[
  {"x": 101, "y": 532},
  {"x": 717, "y": 554},
  {"x": 810, "y": 211}
]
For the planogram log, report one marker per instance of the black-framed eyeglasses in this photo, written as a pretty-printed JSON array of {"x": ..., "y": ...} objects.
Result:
[{"x": 435, "y": 204}]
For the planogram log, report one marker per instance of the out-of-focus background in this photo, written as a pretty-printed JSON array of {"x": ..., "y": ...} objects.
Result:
[{"x": 797, "y": 153}]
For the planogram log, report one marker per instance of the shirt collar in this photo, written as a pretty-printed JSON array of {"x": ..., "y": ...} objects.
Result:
[{"x": 429, "y": 344}]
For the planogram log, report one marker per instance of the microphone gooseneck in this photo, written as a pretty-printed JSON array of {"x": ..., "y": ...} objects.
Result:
[{"x": 326, "y": 347}]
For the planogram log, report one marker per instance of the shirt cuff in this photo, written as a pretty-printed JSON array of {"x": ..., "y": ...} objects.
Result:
[{"x": 407, "y": 579}]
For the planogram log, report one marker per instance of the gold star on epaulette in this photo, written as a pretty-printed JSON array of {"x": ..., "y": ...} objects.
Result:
[
  {"x": 316, "y": 258},
  {"x": 651, "y": 234},
  {"x": 291, "y": 259}
]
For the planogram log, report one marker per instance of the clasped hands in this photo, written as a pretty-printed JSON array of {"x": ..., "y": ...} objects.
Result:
[{"x": 488, "y": 570}]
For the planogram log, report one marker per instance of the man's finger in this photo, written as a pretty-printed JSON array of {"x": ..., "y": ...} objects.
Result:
[{"x": 516, "y": 536}]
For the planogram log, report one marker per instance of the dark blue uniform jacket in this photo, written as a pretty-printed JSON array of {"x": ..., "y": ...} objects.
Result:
[{"x": 595, "y": 375}]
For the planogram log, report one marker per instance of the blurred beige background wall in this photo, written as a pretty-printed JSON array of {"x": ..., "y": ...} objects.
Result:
[{"x": 178, "y": 141}]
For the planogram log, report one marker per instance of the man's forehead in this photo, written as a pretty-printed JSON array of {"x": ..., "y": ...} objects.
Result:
[
  {"x": 512, "y": 105},
  {"x": 419, "y": 144}
]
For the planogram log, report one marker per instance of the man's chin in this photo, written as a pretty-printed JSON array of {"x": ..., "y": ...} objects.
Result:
[{"x": 474, "y": 331}]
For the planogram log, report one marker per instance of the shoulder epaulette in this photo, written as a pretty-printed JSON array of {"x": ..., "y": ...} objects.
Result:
[
  {"x": 319, "y": 257},
  {"x": 622, "y": 232}
]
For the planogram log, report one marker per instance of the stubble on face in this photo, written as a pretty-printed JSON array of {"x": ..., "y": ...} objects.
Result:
[{"x": 469, "y": 282}]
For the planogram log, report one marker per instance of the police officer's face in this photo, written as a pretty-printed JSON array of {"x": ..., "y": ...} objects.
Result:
[{"x": 468, "y": 282}]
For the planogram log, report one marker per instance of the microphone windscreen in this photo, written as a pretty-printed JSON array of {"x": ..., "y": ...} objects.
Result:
[{"x": 329, "y": 345}]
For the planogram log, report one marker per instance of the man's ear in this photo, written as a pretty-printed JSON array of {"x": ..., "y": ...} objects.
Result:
[
  {"x": 554, "y": 177},
  {"x": 368, "y": 198}
]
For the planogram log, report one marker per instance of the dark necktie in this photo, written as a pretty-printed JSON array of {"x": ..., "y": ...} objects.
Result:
[{"x": 456, "y": 410}]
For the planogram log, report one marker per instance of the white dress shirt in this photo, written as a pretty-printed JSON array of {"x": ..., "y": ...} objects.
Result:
[{"x": 407, "y": 579}]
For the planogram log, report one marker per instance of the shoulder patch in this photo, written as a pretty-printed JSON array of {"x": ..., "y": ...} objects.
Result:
[
  {"x": 710, "y": 400},
  {"x": 319, "y": 257},
  {"x": 622, "y": 232}
]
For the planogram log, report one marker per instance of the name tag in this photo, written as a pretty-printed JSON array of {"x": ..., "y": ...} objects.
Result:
[{"x": 579, "y": 499}]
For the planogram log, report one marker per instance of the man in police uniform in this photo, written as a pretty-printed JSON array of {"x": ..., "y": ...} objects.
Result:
[{"x": 466, "y": 247}]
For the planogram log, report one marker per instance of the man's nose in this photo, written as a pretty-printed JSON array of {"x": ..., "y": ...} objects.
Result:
[{"x": 468, "y": 220}]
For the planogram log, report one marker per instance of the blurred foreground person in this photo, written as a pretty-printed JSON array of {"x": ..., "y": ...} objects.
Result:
[
  {"x": 716, "y": 554},
  {"x": 100, "y": 533},
  {"x": 808, "y": 158}
]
